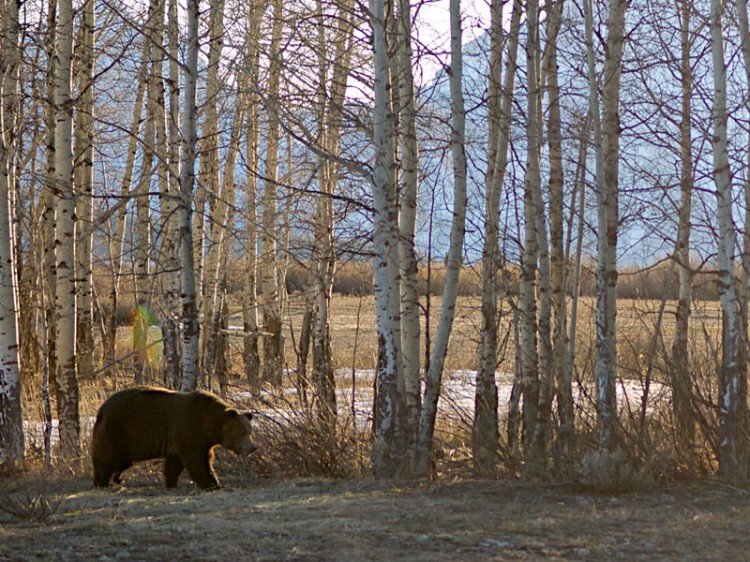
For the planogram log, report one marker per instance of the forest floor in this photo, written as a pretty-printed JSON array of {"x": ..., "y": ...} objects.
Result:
[{"x": 358, "y": 520}]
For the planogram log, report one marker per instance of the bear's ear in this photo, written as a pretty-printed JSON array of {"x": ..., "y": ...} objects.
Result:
[{"x": 248, "y": 415}]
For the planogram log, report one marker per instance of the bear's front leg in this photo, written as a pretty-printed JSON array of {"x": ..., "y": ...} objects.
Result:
[
  {"x": 200, "y": 470},
  {"x": 173, "y": 467}
]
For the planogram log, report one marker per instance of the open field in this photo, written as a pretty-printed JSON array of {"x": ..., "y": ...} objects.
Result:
[
  {"x": 314, "y": 520},
  {"x": 268, "y": 513}
]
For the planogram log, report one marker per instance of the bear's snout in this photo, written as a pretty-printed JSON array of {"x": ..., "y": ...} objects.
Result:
[{"x": 245, "y": 448}]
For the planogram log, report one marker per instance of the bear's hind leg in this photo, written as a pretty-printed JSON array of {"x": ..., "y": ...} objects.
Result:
[{"x": 173, "y": 467}]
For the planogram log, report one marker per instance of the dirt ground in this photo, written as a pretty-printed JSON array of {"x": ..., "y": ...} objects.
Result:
[{"x": 353, "y": 520}]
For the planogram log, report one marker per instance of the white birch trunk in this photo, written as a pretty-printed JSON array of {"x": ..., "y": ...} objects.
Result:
[
  {"x": 409, "y": 157},
  {"x": 209, "y": 241},
  {"x": 171, "y": 247},
  {"x": 250, "y": 355},
  {"x": 190, "y": 325},
  {"x": 273, "y": 344},
  {"x": 731, "y": 467},
  {"x": 607, "y": 147},
  {"x": 485, "y": 424},
  {"x": 11, "y": 419},
  {"x": 84, "y": 184},
  {"x": 530, "y": 257},
  {"x": 49, "y": 204},
  {"x": 682, "y": 382},
  {"x": 744, "y": 283},
  {"x": 485, "y": 428},
  {"x": 455, "y": 251},
  {"x": 557, "y": 257},
  {"x": 385, "y": 247},
  {"x": 65, "y": 239}
]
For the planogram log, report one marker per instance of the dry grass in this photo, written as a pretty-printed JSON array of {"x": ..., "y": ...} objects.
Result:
[
  {"x": 317, "y": 520},
  {"x": 269, "y": 513}
]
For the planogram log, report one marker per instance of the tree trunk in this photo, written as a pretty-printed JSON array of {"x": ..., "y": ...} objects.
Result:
[
  {"x": 409, "y": 192},
  {"x": 607, "y": 204},
  {"x": 745, "y": 278},
  {"x": 212, "y": 238},
  {"x": 532, "y": 322},
  {"x": 11, "y": 419},
  {"x": 731, "y": 450},
  {"x": 117, "y": 241},
  {"x": 83, "y": 175},
  {"x": 682, "y": 384},
  {"x": 565, "y": 405},
  {"x": 557, "y": 255},
  {"x": 215, "y": 269},
  {"x": 65, "y": 238},
  {"x": 49, "y": 258},
  {"x": 485, "y": 427},
  {"x": 191, "y": 327},
  {"x": 273, "y": 344},
  {"x": 385, "y": 454},
  {"x": 455, "y": 250},
  {"x": 250, "y": 355},
  {"x": 170, "y": 192},
  {"x": 143, "y": 228}
]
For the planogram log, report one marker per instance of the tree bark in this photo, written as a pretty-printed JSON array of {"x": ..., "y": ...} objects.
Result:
[
  {"x": 65, "y": 238},
  {"x": 732, "y": 469},
  {"x": 250, "y": 355},
  {"x": 11, "y": 418},
  {"x": 83, "y": 175},
  {"x": 273, "y": 344},
  {"x": 191, "y": 327},
  {"x": 385, "y": 455},
  {"x": 682, "y": 384},
  {"x": 485, "y": 427},
  {"x": 455, "y": 250}
]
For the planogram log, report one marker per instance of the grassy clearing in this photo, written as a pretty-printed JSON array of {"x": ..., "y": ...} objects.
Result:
[
  {"x": 316, "y": 520},
  {"x": 273, "y": 510}
]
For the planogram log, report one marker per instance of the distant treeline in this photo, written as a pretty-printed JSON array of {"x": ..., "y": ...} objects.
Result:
[{"x": 655, "y": 282}]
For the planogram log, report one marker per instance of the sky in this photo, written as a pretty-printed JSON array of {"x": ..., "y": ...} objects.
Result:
[{"x": 432, "y": 29}]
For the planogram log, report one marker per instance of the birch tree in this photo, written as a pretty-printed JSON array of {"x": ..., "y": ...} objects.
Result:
[
  {"x": 273, "y": 344},
  {"x": 171, "y": 238},
  {"x": 331, "y": 99},
  {"x": 557, "y": 256},
  {"x": 682, "y": 383},
  {"x": 607, "y": 154},
  {"x": 83, "y": 174},
  {"x": 385, "y": 455},
  {"x": 210, "y": 231},
  {"x": 65, "y": 238},
  {"x": 455, "y": 250},
  {"x": 117, "y": 240},
  {"x": 11, "y": 419},
  {"x": 143, "y": 242},
  {"x": 731, "y": 466},
  {"x": 250, "y": 355},
  {"x": 191, "y": 327},
  {"x": 485, "y": 427},
  {"x": 529, "y": 350},
  {"x": 409, "y": 193},
  {"x": 745, "y": 277}
]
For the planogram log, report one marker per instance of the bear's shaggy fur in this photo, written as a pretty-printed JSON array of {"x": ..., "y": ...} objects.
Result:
[{"x": 144, "y": 423}]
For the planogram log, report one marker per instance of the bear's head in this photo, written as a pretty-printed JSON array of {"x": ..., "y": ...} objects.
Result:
[{"x": 235, "y": 434}]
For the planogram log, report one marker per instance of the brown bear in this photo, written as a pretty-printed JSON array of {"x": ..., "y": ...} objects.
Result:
[{"x": 145, "y": 422}]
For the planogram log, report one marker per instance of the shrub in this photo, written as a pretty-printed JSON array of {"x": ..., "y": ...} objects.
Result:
[{"x": 610, "y": 472}]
